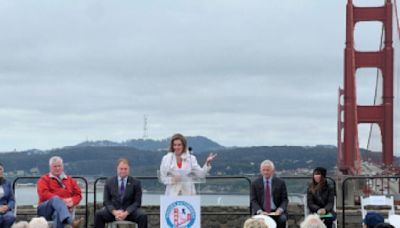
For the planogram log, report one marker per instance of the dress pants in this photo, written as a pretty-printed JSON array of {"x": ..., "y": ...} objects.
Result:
[
  {"x": 103, "y": 216},
  {"x": 280, "y": 220},
  {"x": 7, "y": 219}
]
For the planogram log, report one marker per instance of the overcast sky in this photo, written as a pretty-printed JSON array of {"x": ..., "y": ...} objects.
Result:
[{"x": 240, "y": 72}]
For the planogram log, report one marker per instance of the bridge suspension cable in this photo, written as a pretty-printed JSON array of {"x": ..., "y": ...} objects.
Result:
[{"x": 396, "y": 13}]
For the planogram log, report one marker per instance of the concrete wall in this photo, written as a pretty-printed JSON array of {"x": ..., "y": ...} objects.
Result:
[{"x": 214, "y": 217}]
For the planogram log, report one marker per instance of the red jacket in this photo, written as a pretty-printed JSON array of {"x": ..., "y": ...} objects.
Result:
[{"x": 48, "y": 187}]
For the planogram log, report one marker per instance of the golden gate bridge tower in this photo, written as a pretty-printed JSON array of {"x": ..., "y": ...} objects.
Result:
[{"x": 350, "y": 114}]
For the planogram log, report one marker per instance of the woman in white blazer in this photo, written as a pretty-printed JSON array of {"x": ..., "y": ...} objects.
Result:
[{"x": 178, "y": 166}]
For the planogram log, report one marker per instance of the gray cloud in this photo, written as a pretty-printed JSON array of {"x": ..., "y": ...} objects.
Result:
[{"x": 239, "y": 72}]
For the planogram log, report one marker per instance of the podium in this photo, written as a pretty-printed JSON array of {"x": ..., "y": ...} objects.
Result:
[
  {"x": 181, "y": 207},
  {"x": 180, "y": 182},
  {"x": 180, "y": 212},
  {"x": 182, "y": 176}
]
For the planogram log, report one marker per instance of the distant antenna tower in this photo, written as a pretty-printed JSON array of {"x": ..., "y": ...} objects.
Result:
[{"x": 145, "y": 129}]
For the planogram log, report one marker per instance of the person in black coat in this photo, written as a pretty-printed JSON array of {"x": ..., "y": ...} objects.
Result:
[
  {"x": 122, "y": 199},
  {"x": 321, "y": 196},
  {"x": 268, "y": 185}
]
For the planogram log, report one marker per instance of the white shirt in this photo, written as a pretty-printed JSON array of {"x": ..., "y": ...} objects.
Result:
[
  {"x": 119, "y": 181},
  {"x": 273, "y": 207},
  {"x": 1, "y": 191}
]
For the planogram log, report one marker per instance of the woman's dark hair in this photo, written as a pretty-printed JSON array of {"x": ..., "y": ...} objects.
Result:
[
  {"x": 178, "y": 137},
  {"x": 314, "y": 186},
  {"x": 320, "y": 170}
]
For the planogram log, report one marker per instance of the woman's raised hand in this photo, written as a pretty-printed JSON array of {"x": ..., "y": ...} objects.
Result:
[{"x": 210, "y": 157}]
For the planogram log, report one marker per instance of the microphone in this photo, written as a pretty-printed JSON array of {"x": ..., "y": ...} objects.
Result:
[
  {"x": 190, "y": 156},
  {"x": 191, "y": 166}
]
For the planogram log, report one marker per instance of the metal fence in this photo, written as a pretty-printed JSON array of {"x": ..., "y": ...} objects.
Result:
[
  {"x": 291, "y": 181},
  {"x": 154, "y": 178},
  {"x": 383, "y": 190}
]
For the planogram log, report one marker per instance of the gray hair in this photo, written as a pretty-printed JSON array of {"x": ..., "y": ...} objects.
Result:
[
  {"x": 267, "y": 163},
  {"x": 22, "y": 224},
  {"x": 55, "y": 159},
  {"x": 312, "y": 221},
  {"x": 255, "y": 223},
  {"x": 38, "y": 223}
]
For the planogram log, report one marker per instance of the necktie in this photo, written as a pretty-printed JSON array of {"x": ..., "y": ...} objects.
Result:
[
  {"x": 267, "y": 199},
  {"x": 122, "y": 188}
]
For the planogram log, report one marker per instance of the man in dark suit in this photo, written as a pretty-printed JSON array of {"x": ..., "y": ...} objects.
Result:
[
  {"x": 269, "y": 195},
  {"x": 122, "y": 199}
]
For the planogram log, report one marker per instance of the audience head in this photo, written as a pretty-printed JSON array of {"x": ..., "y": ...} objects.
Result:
[
  {"x": 255, "y": 223},
  {"x": 384, "y": 225},
  {"x": 312, "y": 221},
  {"x": 56, "y": 165},
  {"x": 39, "y": 222},
  {"x": 178, "y": 144},
  {"x": 267, "y": 168},
  {"x": 22, "y": 224},
  {"x": 123, "y": 167},
  {"x": 372, "y": 219}
]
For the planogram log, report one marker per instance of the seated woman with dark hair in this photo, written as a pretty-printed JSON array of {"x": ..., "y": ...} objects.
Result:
[
  {"x": 321, "y": 196},
  {"x": 7, "y": 201}
]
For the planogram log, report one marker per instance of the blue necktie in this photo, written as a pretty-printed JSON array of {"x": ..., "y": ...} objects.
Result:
[{"x": 122, "y": 188}]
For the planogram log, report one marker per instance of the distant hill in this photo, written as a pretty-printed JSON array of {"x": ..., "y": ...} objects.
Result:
[
  {"x": 100, "y": 160},
  {"x": 198, "y": 143}
]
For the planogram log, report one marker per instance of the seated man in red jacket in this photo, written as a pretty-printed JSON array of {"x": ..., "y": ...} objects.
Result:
[{"x": 58, "y": 195}]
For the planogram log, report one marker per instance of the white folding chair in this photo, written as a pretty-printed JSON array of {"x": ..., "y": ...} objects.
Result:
[
  {"x": 306, "y": 210},
  {"x": 334, "y": 208},
  {"x": 15, "y": 209},
  {"x": 122, "y": 222},
  {"x": 377, "y": 200},
  {"x": 394, "y": 220}
]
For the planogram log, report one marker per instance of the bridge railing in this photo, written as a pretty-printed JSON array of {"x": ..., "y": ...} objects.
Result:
[
  {"x": 302, "y": 183},
  {"x": 297, "y": 186},
  {"x": 200, "y": 188},
  {"x": 371, "y": 185}
]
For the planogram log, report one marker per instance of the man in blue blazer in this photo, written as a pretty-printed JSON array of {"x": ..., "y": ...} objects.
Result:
[
  {"x": 269, "y": 195},
  {"x": 122, "y": 199},
  {"x": 7, "y": 201}
]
